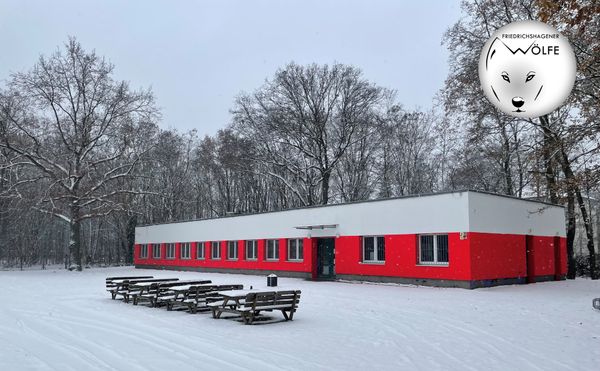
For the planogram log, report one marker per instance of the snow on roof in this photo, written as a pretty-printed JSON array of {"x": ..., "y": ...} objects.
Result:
[{"x": 457, "y": 211}]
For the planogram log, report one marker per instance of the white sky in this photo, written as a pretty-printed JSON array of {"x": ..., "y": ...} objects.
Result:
[{"x": 198, "y": 55}]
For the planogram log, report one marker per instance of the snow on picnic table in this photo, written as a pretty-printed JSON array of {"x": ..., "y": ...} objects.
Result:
[{"x": 60, "y": 320}]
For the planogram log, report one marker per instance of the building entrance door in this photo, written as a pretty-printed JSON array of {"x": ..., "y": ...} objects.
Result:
[
  {"x": 529, "y": 254},
  {"x": 326, "y": 258}
]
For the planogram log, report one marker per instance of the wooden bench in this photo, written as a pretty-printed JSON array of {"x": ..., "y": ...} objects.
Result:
[
  {"x": 197, "y": 297},
  {"x": 112, "y": 281},
  {"x": 153, "y": 292},
  {"x": 596, "y": 303},
  {"x": 123, "y": 287},
  {"x": 250, "y": 307}
]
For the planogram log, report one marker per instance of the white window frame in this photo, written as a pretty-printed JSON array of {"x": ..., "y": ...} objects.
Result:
[
  {"x": 253, "y": 245},
  {"x": 156, "y": 248},
  {"x": 200, "y": 246},
  {"x": 144, "y": 251},
  {"x": 298, "y": 242},
  {"x": 215, "y": 246},
  {"x": 435, "y": 261},
  {"x": 267, "y": 247},
  {"x": 170, "y": 251},
  {"x": 377, "y": 259},
  {"x": 232, "y": 246},
  {"x": 185, "y": 250}
]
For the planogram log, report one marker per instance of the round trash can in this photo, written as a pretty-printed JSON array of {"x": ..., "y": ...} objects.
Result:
[{"x": 271, "y": 280}]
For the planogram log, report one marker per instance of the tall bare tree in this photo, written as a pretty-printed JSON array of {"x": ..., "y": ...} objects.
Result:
[
  {"x": 304, "y": 120},
  {"x": 68, "y": 119}
]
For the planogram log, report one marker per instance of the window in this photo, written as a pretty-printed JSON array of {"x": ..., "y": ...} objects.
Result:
[
  {"x": 184, "y": 250},
  {"x": 272, "y": 252},
  {"x": 215, "y": 250},
  {"x": 170, "y": 251},
  {"x": 251, "y": 249},
  {"x": 156, "y": 250},
  {"x": 295, "y": 249},
  {"x": 232, "y": 250},
  {"x": 143, "y": 251},
  {"x": 373, "y": 249},
  {"x": 200, "y": 250},
  {"x": 433, "y": 249}
]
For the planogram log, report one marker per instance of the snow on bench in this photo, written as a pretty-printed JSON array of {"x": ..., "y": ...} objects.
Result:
[
  {"x": 196, "y": 297},
  {"x": 127, "y": 287},
  {"x": 250, "y": 305},
  {"x": 153, "y": 292}
]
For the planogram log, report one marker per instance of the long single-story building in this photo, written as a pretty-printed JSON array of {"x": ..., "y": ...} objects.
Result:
[{"x": 464, "y": 239}]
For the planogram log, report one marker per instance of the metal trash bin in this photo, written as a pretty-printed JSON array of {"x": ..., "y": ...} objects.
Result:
[{"x": 271, "y": 280}]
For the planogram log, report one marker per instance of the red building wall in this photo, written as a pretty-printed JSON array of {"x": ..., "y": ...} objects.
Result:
[
  {"x": 547, "y": 258},
  {"x": 401, "y": 258},
  {"x": 480, "y": 256},
  {"x": 495, "y": 256}
]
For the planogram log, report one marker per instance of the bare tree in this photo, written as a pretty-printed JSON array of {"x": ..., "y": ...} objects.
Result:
[
  {"x": 563, "y": 140},
  {"x": 70, "y": 121},
  {"x": 305, "y": 119}
]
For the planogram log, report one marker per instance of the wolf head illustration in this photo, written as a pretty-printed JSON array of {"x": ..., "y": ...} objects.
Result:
[
  {"x": 515, "y": 80},
  {"x": 526, "y": 77}
]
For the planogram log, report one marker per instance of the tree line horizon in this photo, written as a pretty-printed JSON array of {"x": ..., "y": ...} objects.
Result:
[{"x": 83, "y": 159}]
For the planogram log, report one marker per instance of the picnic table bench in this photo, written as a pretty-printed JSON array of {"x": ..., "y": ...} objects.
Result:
[
  {"x": 123, "y": 288},
  {"x": 596, "y": 303},
  {"x": 152, "y": 291},
  {"x": 249, "y": 303},
  {"x": 196, "y": 297},
  {"x": 112, "y": 281}
]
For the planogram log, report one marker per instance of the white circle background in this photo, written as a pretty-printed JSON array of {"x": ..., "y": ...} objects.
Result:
[{"x": 504, "y": 71}]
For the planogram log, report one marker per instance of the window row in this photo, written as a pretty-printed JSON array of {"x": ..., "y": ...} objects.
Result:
[
  {"x": 295, "y": 250},
  {"x": 433, "y": 249}
]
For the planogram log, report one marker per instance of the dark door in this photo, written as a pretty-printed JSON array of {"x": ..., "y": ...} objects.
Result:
[
  {"x": 325, "y": 258},
  {"x": 529, "y": 253},
  {"x": 557, "y": 259}
]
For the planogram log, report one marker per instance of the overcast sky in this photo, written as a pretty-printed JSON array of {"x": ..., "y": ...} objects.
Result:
[{"x": 198, "y": 55}]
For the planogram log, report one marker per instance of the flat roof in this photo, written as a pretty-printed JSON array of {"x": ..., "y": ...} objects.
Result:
[{"x": 355, "y": 202}]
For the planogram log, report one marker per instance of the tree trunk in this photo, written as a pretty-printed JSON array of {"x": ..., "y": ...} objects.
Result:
[
  {"x": 589, "y": 233},
  {"x": 549, "y": 145},
  {"x": 75, "y": 238},
  {"x": 571, "y": 227},
  {"x": 3, "y": 240},
  {"x": 506, "y": 160},
  {"x": 132, "y": 222},
  {"x": 326, "y": 177}
]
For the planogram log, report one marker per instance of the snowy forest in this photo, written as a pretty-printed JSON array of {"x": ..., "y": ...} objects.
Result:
[{"x": 84, "y": 158}]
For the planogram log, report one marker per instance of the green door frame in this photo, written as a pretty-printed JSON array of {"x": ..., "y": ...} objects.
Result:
[{"x": 326, "y": 258}]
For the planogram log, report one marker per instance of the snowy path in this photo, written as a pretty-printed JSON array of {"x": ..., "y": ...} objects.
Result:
[{"x": 58, "y": 320}]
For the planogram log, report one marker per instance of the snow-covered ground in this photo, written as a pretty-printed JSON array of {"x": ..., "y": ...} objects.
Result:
[{"x": 59, "y": 320}]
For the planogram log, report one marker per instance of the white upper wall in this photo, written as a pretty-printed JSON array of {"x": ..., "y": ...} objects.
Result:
[
  {"x": 497, "y": 214},
  {"x": 446, "y": 212}
]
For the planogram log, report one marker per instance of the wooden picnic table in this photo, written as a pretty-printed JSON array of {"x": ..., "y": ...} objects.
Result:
[
  {"x": 113, "y": 281},
  {"x": 195, "y": 297},
  {"x": 152, "y": 291},
  {"x": 184, "y": 288},
  {"x": 124, "y": 288},
  {"x": 249, "y": 303},
  {"x": 180, "y": 293},
  {"x": 234, "y": 298}
]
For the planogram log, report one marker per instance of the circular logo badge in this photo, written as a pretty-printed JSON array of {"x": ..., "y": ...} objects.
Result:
[{"x": 527, "y": 69}]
